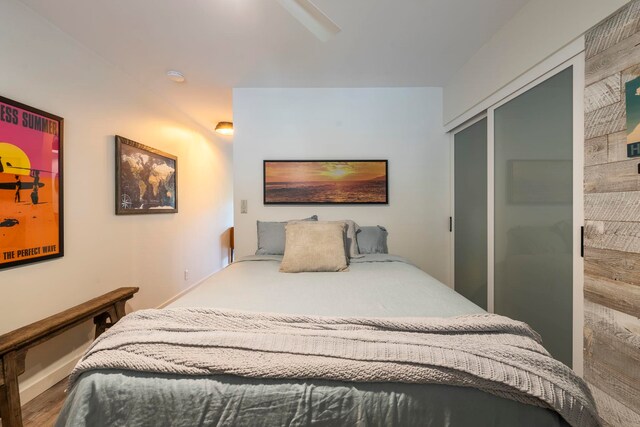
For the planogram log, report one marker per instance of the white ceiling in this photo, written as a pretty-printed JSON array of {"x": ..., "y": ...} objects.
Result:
[{"x": 221, "y": 44}]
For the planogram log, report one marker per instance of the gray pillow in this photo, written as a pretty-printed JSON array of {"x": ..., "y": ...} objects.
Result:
[
  {"x": 271, "y": 236},
  {"x": 350, "y": 243},
  {"x": 372, "y": 240}
]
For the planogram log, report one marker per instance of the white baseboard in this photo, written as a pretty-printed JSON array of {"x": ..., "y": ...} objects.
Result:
[
  {"x": 189, "y": 289},
  {"x": 56, "y": 372},
  {"x": 49, "y": 376}
]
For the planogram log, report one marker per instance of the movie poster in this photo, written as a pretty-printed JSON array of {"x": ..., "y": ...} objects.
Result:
[
  {"x": 30, "y": 184},
  {"x": 632, "y": 92}
]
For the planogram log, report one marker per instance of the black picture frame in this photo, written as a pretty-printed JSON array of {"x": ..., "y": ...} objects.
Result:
[
  {"x": 30, "y": 130},
  {"x": 160, "y": 200},
  {"x": 379, "y": 184}
]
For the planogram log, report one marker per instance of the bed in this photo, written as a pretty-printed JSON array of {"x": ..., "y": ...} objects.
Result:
[{"x": 376, "y": 286}]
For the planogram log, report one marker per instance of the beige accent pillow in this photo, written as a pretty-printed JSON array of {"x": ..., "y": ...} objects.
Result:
[
  {"x": 350, "y": 239},
  {"x": 314, "y": 246}
]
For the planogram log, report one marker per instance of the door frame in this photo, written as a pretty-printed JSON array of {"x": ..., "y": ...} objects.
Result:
[{"x": 578, "y": 64}]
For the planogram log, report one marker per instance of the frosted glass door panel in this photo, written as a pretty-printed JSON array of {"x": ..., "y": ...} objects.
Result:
[
  {"x": 470, "y": 216},
  {"x": 534, "y": 209}
]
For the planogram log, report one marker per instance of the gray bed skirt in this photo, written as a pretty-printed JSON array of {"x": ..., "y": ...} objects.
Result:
[{"x": 112, "y": 398}]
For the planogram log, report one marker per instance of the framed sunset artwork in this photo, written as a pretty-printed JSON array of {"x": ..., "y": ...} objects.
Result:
[{"x": 313, "y": 182}]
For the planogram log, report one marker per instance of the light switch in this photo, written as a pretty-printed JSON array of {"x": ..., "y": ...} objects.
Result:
[{"x": 243, "y": 206}]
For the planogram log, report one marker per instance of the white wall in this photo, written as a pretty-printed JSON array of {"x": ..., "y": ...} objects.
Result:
[
  {"x": 44, "y": 68},
  {"x": 403, "y": 125},
  {"x": 539, "y": 29}
]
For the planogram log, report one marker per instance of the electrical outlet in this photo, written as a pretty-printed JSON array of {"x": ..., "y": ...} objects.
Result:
[
  {"x": 186, "y": 275},
  {"x": 243, "y": 206}
]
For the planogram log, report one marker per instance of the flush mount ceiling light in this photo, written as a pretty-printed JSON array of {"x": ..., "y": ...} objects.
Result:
[
  {"x": 175, "y": 76},
  {"x": 311, "y": 17},
  {"x": 225, "y": 128}
]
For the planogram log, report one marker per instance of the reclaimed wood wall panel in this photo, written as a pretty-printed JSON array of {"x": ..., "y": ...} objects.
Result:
[
  {"x": 621, "y": 206},
  {"x": 611, "y": 31},
  {"x": 615, "y": 236},
  {"x": 617, "y": 58},
  {"x": 616, "y": 176},
  {"x": 602, "y": 93},
  {"x": 630, "y": 73},
  {"x": 617, "y": 146},
  {"x": 605, "y": 120},
  {"x": 596, "y": 151},
  {"x": 612, "y": 361},
  {"x": 612, "y": 221},
  {"x": 612, "y": 265},
  {"x": 613, "y": 412},
  {"x": 615, "y": 295}
]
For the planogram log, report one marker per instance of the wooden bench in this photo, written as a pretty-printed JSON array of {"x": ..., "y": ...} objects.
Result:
[{"x": 105, "y": 311}]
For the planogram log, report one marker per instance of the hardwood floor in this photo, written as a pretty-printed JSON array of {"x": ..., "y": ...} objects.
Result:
[{"x": 43, "y": 410}]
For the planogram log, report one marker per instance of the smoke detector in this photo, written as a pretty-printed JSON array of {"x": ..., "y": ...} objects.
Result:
[{"x": 175, "y": 76}]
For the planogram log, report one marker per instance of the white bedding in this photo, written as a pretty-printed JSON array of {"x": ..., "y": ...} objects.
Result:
[{"x": 375, "y": 286}]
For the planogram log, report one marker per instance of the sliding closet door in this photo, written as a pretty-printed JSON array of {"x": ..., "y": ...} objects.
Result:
[
  {"x": 470, "y": 212},
  {"x": 533, "y": 211}
]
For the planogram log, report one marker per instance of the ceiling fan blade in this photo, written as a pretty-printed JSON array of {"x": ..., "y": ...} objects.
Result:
[{"x": 311, "y": 17}]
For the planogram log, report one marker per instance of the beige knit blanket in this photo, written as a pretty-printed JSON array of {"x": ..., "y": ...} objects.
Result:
[{"x": 489, "y": 352}]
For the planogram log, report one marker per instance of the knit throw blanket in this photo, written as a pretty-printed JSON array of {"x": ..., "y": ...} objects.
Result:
[{"x": 489, "y": 352}]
